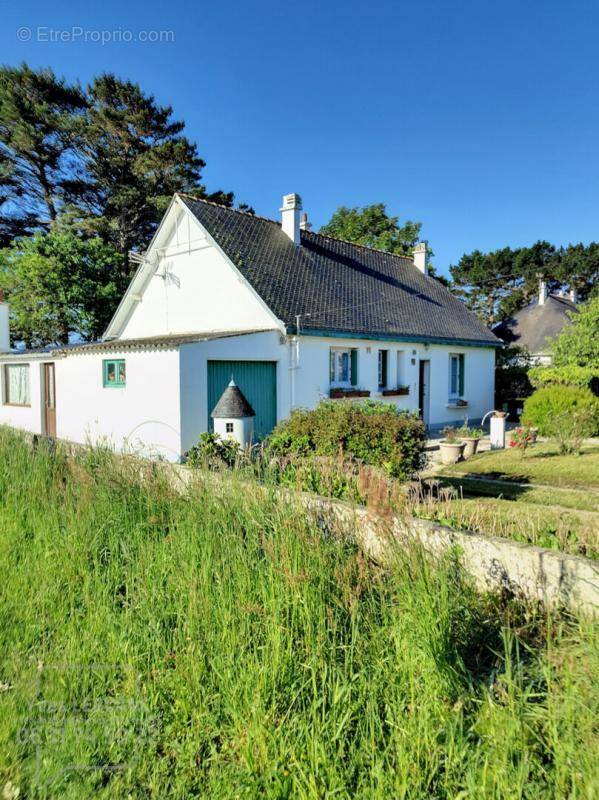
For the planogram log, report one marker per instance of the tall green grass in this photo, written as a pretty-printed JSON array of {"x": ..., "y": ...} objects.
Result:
[{"x": 219, "y": 645}]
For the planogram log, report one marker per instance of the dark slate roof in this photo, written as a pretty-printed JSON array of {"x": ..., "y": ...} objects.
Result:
[
  {"x": 336, "y": 286},
  {"x": 232, "y": 404},
  {"x": 534, "y": 326}
]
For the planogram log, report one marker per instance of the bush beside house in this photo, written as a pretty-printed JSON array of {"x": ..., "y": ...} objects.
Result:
[{"x": 373, "y": 433}]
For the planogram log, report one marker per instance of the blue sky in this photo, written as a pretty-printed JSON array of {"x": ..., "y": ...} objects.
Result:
[{"x": 479, "y": 119}]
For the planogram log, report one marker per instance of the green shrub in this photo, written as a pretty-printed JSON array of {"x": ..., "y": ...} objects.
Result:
[
  {"x": 570, "y": 375},
  {"x": 374, "y": 433},
  {"x": 214, "y": 451},
  {"x": 567, "y": 413}
]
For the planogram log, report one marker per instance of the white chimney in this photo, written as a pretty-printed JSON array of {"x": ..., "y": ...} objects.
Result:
[
  {"x": 290, "y": 216},
  {"x": 542, "y": 292},
  {"x": 421, "y": 256},
  {"x": 304, "y": 224},
  {"x": 4, "y": 325},
  {"x": 573, "y": 295}
]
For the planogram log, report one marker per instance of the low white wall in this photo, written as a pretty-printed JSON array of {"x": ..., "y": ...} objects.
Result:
[
  {"x": 267, "y": 346},
  {"x": 142, "y": 417},
  {"x": 28, "y": 418}
]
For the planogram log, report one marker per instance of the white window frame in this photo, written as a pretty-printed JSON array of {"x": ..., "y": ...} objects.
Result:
[
  {"x": 337, "y": 381},
  {"x": 6, "y": 380},
  {"x": 458, "y": 358}
]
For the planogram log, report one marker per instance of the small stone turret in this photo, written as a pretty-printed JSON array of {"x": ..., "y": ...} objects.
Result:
[{"x": 233, "y": 416}]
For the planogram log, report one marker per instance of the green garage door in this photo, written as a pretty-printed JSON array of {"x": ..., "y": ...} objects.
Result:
[{"x": 256, "y": 379}]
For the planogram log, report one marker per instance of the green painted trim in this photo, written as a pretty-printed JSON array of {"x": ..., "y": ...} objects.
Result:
[
  {"x": 112, "y": 384},
  {"x": 395, "y": 338}
]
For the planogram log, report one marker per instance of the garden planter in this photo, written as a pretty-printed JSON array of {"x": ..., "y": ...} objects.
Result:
[
  {"x": 470, "y": 446},
  {"x": 336, "y": 394},
  {"x": 451, "y": 452},
  {"x": 401, "y": 391}
]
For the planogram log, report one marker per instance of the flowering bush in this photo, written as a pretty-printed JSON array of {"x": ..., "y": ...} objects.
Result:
[{"x": 522, "y": 438}]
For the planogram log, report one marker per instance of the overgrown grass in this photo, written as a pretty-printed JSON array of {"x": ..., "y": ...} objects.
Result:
[
  {"x": 569, "y": 530},
  {"x": 218, "y": 645}
]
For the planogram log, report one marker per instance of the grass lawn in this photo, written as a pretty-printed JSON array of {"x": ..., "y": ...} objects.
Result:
[
  {"x": 578, "y": 499},
  {"x": 562, "y": 512},
  {"x": 542, "y": 464},
  {"x": 159, "y": 646}
]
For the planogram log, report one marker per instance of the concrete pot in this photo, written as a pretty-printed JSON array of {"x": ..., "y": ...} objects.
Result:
[
  {"x": 451, "y": 452},
  {"x": 470, "y": 446}
]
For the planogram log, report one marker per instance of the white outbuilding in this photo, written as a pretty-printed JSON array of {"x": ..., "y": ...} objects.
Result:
[{"x": 233, "y": 416}]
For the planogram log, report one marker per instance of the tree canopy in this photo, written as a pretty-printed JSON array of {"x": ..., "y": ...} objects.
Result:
[
  {"x": 496, "y": 284},
  {"x": 86, "y": 174},
  {"x": 373, "y": 227},
  {"x": 109, "y": 150},
  {"x": 61, "y": 283},
  {"x": 578, "y": 344}
]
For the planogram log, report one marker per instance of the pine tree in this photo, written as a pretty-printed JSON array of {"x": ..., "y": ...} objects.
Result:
[{"x": 41, "y": 120}]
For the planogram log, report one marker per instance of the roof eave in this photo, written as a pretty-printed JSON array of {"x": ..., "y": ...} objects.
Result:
[{"x": 393, "y": 337}]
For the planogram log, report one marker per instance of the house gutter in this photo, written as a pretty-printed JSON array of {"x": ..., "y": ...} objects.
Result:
[{"x": 374, "y": 337}]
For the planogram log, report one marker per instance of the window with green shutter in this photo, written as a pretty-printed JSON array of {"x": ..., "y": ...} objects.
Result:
[
  {"x": 343, "y": 367},
  {"x": 456, "y": 375},
  {"x": 114, "y": 373}
]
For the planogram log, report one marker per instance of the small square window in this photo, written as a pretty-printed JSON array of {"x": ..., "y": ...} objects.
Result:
[
  {"x": 229, "y": 427},
  {"x": 114, "y": 373}
]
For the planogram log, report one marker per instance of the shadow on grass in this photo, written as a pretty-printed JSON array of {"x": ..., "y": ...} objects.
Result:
[{"x": 473, "y": 486}]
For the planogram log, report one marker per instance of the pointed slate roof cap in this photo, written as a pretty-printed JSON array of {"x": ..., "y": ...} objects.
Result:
[{"x": 232, "y": 404}]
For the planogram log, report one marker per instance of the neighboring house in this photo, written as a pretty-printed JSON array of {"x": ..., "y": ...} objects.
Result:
[
  {"x": 292, "y": 316},
  {"x": 534, "y": 327}
]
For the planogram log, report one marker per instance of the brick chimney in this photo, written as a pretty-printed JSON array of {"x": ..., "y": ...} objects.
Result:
[
  {"x": 290, "y": 216},
  {"x": 421, "y": 257}
]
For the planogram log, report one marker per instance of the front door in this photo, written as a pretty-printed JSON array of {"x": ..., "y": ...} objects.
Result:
[
  {"x": 424, "y": 400},
  {"x": 49, "y": 401}
]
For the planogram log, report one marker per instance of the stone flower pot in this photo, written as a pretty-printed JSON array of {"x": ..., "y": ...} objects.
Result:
[
  {"x": 470, "y": 445},
  {"x": 451, "y": 452}
]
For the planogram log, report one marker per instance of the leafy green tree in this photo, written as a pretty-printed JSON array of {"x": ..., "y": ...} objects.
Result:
[
  {"x": 578, "y": 343},
  {"x": 373, "y": 227},
  {"x": 40, "y": 127},
  {"x": 59, "y": 284}
]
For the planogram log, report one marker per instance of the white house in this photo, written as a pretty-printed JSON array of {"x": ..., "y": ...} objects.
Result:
[{"x": 290, "y": 315}]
